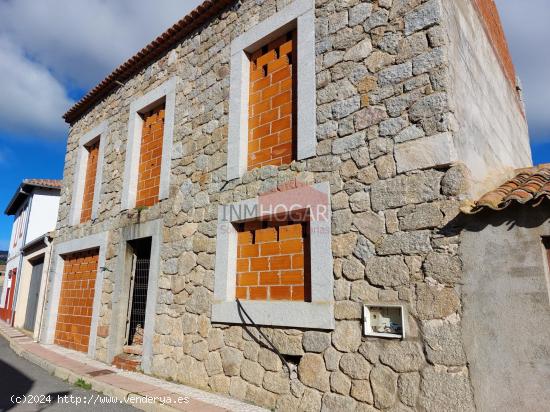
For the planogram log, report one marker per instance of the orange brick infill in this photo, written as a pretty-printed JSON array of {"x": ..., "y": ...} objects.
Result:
[
  {"x": 89, "y": 183},
  {"x": 271, "y": 106},
  {"x": 76, "y": 300},
  {"x": 150, "y": 157},
  {"x": 271, "y": 261}
]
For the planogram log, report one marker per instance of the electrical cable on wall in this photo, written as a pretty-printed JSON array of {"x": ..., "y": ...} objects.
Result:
[{"x": 291, "y": 369}]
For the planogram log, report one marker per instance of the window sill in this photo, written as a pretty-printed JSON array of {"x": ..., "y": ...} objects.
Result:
[{"x": 276, "y": 313}]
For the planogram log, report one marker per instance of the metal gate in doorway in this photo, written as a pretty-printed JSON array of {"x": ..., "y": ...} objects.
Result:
[
  {"x": 32, "y": 301},
  {"x": 138, "y": 300}
]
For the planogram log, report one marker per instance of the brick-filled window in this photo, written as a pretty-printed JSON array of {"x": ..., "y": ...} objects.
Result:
[
  {"x": 275, "y": 54},
  {"x": 150, "y": 157},
  {"x": 271, "y": 122},
  {"x": 273, "y": 255},
  {"x": 272, "y": 261},
  {"x": 89, "y": 182},
  {"x": 76, "y": 300},
  {"x": 88, "y": 175}
]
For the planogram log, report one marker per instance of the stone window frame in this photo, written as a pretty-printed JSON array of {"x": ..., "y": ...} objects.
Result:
[
  {"x": 98, "y": 133},
  {"x": 317, "y": 314},
  {"x": 152, "y": 229},
  {"x": 166, "y": 93},
  {"x": 299, "y": 15},
  {"x": 96, "y": 241}
]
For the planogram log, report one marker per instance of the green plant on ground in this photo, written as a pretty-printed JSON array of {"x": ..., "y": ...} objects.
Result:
[{"x": 81, "y": 383}]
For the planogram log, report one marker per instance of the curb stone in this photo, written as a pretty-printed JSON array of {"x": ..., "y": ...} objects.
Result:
[{"x": 18, "y": 346}]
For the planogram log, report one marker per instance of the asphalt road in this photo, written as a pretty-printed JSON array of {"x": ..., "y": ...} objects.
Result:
[{"x": 37, "y": 390}]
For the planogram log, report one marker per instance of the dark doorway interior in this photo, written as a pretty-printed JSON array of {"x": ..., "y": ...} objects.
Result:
[
  {"x": 34, "y": 290},
  {"x": 138, "y": 290}
]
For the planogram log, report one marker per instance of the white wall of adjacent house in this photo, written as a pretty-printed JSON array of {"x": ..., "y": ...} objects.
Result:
[
  {"x": 34, "y": 218},
  {"x": 43, "y": 214},
  {"x": 16, "y": 242},
  {"x": 18, "y": 231}
]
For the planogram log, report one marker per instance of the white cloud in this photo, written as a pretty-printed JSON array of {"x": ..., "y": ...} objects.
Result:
[
  {"x": 528, "y": 33},
  {"x": 32, "y": 100},
  {"x": 84, "y": 40},
  {"x": 48, "y": 46},
  {"x": 78, "y": 42}
]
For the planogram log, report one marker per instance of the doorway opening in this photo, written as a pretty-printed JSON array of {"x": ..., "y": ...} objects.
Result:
[
  {"x": 132, "y": 350},
  {"x": 137, "y": 302},
  {"x": 34, "y": 291}
]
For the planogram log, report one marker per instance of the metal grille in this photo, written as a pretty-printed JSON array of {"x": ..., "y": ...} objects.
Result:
[{"x": 139, "y": 297}]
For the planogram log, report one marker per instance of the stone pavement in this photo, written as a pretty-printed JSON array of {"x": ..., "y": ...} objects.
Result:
[{"x": 131, "y": 387}]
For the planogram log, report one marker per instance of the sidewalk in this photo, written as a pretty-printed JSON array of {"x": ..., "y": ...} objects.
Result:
[{"x": 111, "y": 382}]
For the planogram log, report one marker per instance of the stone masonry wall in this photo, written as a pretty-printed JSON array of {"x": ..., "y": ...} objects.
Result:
[{"x": 382, "y": 81}]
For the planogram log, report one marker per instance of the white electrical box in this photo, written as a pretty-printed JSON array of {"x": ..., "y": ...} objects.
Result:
[{"x": 384, "y": 321}]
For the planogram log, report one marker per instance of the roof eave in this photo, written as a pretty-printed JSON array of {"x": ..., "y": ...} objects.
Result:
[
  {"x": 23, "y": 191},
  {"x": 35, "y": 242},
  {"x": 16, "y": 201}
]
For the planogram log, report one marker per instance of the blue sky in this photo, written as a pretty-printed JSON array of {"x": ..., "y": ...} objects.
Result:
[{"x": 53, "y": 51}]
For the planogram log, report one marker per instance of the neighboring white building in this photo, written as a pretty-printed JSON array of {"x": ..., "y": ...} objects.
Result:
[
  {"x": 32, "y": 284},
  {"x": 34, "y": 206}
]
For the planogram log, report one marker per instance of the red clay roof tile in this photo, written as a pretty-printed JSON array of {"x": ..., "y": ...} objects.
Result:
[
  {"x": 48, "y": 183},
  {"x": 529, "y": 185}
]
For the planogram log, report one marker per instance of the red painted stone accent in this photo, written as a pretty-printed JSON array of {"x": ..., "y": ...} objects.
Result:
[
  {"x": 127, "y": 362},
  {"x": 103, "y": 331}
]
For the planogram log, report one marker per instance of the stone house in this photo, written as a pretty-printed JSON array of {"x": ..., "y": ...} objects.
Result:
[{"x": 264, "y": 202}]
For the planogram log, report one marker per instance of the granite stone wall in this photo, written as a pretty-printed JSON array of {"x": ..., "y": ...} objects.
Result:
[{"x": 385, "y": 129}]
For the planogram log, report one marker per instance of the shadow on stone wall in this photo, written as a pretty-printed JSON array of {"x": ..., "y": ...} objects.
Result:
[{"x": 525, "y": 216}]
